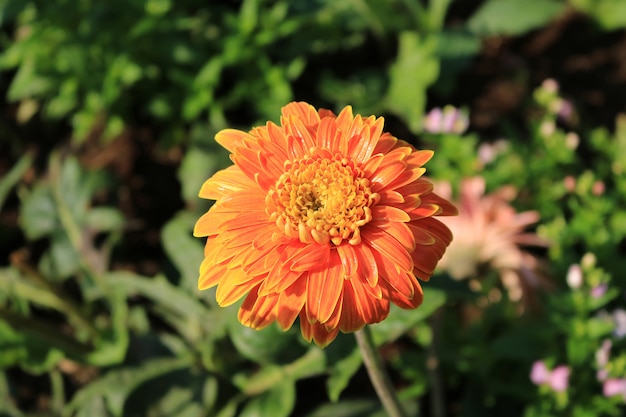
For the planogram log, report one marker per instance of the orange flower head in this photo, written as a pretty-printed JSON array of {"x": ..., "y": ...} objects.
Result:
[{"x": 324, "y": 217}]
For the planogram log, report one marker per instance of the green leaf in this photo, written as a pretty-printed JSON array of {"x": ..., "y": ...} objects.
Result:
[
  {"x": 341, "y": 373},
  {"x": 610, "y": 14},
  {"x": 60, "y": 260},
  {"x": 183, "y": 310},
  {"x": 197, "y": 166},
  {"x": 513, "y": 17},
  {"x": 183, "y": 249},
  {"x": 310, "y": 364},
  {"x": 268, "y": 345},
  {"x": 27, "y": 83},
  {"x": 10, "y": 179},
  {"x": 104, "y": 219},
  {"x": 415, "y": 69},
  {"x": 277, "y": 402},
  {"x": 112, "y": 346},
  {"x": 400, "y": 321},
  {"x": 38, "y": 214},
  {"x": 352, "y": 408},
  {"x": 9, "y": 9},
  {"x": 117, "y": 385},
  {"x": 32, "y": 347}
]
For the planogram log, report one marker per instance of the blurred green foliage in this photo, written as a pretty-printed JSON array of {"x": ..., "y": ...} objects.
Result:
[{"x": 87, "y": 330}]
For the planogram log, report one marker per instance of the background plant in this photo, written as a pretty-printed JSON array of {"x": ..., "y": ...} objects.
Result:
[{"x": 106, "y": 136}]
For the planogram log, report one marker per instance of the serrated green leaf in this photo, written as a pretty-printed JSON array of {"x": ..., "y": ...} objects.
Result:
[{"x": 513, "y": 17}]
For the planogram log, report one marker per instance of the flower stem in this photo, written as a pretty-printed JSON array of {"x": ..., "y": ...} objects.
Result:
[{"x": 378, "y": 375}]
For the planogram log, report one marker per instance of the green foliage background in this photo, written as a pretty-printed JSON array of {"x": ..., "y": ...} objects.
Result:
[{"x": 106, "y": 134}]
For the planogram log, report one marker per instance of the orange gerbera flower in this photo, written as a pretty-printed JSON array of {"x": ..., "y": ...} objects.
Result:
[{"x": 325, "y": 218}]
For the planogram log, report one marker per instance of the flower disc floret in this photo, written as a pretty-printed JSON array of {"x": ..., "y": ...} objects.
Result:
[{"x": 319, "y": 199}]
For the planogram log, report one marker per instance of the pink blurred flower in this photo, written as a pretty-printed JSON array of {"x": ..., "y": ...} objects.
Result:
[
  {"x": 557, "y": 379},
  {"x": 603, "y": 354},
  {"x": 539, "y": 373},
  {"x": 599, "y": 290},
  {"x": 619, "y": 317},
  {"x": 614, "y": 386},
  {"x": 446, "y": 120},
  {"x": 574, "y": 276},
  {"x": 488, "y": 232}
]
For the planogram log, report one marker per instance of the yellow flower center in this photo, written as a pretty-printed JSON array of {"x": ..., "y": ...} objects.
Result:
[{"x": 323, "y": 200}]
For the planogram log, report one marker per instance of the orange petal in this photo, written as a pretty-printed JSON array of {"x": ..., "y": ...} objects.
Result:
[
  {"x": 348, "y": 258},
  {"x": 303, "y": 111},
  {"x": 262, "y": 314},
  {"x": 344, "y": 122},
  {"x": 324, "y": 288},
  {"x": 388, "y": 247},
  {"x": 233, "y": 138},
  {"x": 210, "y": 274},
  {"x": 290, "y": 303},
  {"x": 251, "y": 164},
  {"x": 368, "y": 268},
  {"x": 351, "y": 319},
  {"x": 447, "y": 208},
  {"x": 398, "y": 279},
  {"x": 308, "y": 257},
  {"x": 297, "y": 129},
  {"x": 327, "y": 135},
  {"x": 363, "y": 148},
  {"x": 424, "y": 211},
  {"x": 316, "y": 332},
  {"x": 419, "y": 158},
  {"x": 386, "y": 143},
  {"x": 408, "y": 302},
  {"x": 227, "y": 293},
  {"x": 370, "y": 309},
  {"x": 388, "y": 213},
  {"x": 421, "y": 236},
  {"x": 387, "y": 174},
  {"x": 406, "y": 177},
  {"x": 225, "y": 182},
  {"x": 399, "y": 231},
  {"x": 435, "y": 227}
]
